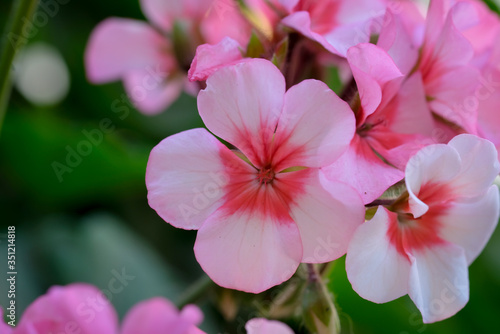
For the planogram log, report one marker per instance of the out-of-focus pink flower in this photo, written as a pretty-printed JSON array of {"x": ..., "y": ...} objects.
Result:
[
  {"x": 264, "y": 326},
  {"x": 424, "y": 247},
  {"x": 262, "y": 210},
  {"x": 4, "y": 328},
  {"x": 335, "y": 24},
  {"x": 392, "y": 122},
  {"x": 152, "y": 68},
  {"x": 160, "y": 316},
  {"x": 82, "y": 308}
]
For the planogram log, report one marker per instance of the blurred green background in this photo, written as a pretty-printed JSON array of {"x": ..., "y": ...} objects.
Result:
[{"x": 96, "y": 220}]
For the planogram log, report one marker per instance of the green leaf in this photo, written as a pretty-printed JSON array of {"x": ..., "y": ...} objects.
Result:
[{"x": 255, "y": 48}]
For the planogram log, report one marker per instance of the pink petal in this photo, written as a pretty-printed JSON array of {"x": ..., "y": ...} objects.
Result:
[
  {"x": 163, "y": 13},
  {"x": 316, "y": 126},
  {"x": 327, "y": 214},
  {"x": 377, "y": 76},
  {"x": 479, "y": 165},
  {"x": 159, "y": 316},
  {"x": 76, "y": 307},
  {"x": 248, "y": 251},
  {"x": 452, "y": 96},
  {"x": 374, "y": 267},
  {"x": 152, "y": 91},
  {"x": 439, "y": 281},
  {"x": 209, "y": 58},
  {"x": 398, "y": 41},
  {"x": 434, "y": 164},
  {"x": 4, "y": 328},
  {"x": 264, "y": 326},
  {"x": 469, "y": 223},
  {"x": 363, "y": 170},
  {"x": 118, "y": 46},
  {"x": 224, "y": 19},
  {"x": 186, "y": 176},
  {"x": 301, "y": 22},
  {"x": 243, "y": 103}
]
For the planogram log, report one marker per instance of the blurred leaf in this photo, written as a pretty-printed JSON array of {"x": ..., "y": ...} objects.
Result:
[{"x": 255, "y": 48}]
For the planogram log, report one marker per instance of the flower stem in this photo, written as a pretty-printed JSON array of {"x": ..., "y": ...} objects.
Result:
[
  {"x": 195, "y": 291},
  {"x": 14, "y": 38}
]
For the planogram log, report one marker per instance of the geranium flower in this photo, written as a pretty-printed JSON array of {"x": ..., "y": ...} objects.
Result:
[
  {"x": 266, "y": 207},
  {"x": 153, "y": 68},
  {"x": 82, "y": 308},
  {"x": 424, "y": 246}
]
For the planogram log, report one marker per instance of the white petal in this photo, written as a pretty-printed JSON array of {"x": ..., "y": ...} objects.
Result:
[
  {"x": 375, "y": 268},
  {"x": 439, "y": 281}
]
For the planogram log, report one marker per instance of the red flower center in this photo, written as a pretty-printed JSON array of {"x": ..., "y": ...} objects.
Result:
[{"x": 266, "y": 175}]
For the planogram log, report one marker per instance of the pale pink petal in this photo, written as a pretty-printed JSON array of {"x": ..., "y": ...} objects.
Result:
[
  {"x": 363, "y": 170},
  {"x": 243, "y": 103},
  {"x": 287, "y": 4},
  {"x": 224, "y": 19},
  {"x": 375, "y": 268},
  {"x": 377, "y": 77},
  {"x": 248, "y": 251},
  {"x": 76, "y": 307},
  {"x": 159, "y": 316},
  {"x": 151, "y": 90},
  {"x": 439, "y": 281},
  {"x": 163, "y": 13},
  {"x": 327, "y": 214},
  {"x": 118, "y": 46},
  {"x": 316, "y": 126},
  {"x": 469, "y": 223},
  {"x": 398, "y": 42},
  {"x": 264, "y": 326},
  {"x": 479, "y": 164},
  {"x": 434, "y": 164},
  {"x": 209, "y": 58},
  {"x": 186, "y": 176}
]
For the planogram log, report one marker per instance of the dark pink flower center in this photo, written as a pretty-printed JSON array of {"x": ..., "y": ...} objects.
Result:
[{"x": 266, "y": 175}]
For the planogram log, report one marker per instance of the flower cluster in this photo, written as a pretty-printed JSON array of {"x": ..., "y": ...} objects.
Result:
[
  {"x": 411, "y": 130},
  {"x": 82, "y": 308}
]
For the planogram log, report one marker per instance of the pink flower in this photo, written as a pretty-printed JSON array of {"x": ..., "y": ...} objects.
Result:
[
  {"x": 152, "y": 67},
  {"x": 424, "y": 247},
  {"x": 392, "y": 122},
  {"x": 335, "y": 24},
  {"x": 84, "y": 309},
  {"x": 445, "y": 63},
  {"x": 264, "y": 326},
  {"x": 265, "y": 208}
]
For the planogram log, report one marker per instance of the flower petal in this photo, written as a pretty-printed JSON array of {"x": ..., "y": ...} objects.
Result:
[
  {"x": 163, "y": 13},
  {"x": 480, "y": 165},
  {"x": 209, "y": 58},
  {"x": 375, "y": 268},
  {"x": 439, "y": 281},
  {"x": 363, "y": 170},
  {"x": 118, "y": 46},
  {"x": 264, "y": 326},
  {"x": 4, "y": 328},
  {"x": 315, "y": 127},
  {"x": 186, "y": 176},
  {"x": 242, "y": 104},
  {"x": 377, "y": 76},
  {"x": 152, "y": 91},
  {"x": 158, "y": 316},
  {"x": 327, "y": 214},
  {"x": 434, "y": 164},
  {"x": 469, "y": 223},
  {"x": 247, "y": 251},
  {"x": 73, "y": 306}
]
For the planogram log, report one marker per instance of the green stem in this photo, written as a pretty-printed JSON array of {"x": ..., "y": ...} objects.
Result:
[
  {"x": 195, "y": 291},
  {"x": 13, "y": 39}
]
